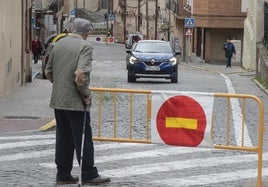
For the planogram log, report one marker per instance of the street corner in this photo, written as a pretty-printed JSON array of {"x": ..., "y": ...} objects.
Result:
[{"x": 22, "y": 123}]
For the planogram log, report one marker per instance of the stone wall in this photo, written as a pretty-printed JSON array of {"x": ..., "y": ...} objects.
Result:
[{"x": 262, "y": 62}]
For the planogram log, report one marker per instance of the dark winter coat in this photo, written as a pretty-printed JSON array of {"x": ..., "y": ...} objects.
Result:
[{"x": 229, "y": 49}]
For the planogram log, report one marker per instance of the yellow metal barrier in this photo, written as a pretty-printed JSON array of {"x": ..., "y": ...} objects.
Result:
[
  {"x": 113, "y": 100},
  {"x": 131, "y": 93},
  {"x": 257, "y": 148}
]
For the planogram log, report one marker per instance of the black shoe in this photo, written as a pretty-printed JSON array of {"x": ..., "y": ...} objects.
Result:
[
  {"x": 96, "y": 181},
  {"x": 67, "y": 180}
]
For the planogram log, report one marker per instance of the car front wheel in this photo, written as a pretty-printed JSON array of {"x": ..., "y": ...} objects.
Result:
[
  {"x": 174, "y": 79},
  {"x": 130, "y": 76}
]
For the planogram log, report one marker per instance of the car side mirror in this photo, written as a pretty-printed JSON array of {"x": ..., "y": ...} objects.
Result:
[{"x": 128, "y": 51}]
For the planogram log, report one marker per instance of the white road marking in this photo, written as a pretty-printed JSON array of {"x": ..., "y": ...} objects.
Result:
[
  {"x": 181, "y": 165},
  {"x": 211, "y": 178},
  {"x": 151, "y": 168},
  {"x": 27, "y": 155},
  {"x": 49, "y": 152},
  {"x": 26, "y": 144},
  {"x": 237, "y": 119},
  {"x": 168, "y": 151},
  {"x": 28, "y": 137},
  {"x": 151, "y": 153}
]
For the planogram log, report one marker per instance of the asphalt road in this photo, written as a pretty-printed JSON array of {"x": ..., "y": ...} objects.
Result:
[{"x": 27, "y": 157}]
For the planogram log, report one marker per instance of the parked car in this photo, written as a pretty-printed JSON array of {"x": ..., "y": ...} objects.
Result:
[
  {"x": 152, "y": 59},
  {"x": 49, "y": 45},
  {"x": 133, "y": 38}
]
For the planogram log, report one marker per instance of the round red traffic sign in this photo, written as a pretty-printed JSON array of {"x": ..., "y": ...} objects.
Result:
[
  {"x": 111, "y": 39},
  {"x": 181, "y": 120}
]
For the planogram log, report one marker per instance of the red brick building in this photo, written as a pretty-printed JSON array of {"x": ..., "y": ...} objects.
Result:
[{"x": 214, "y": 21}]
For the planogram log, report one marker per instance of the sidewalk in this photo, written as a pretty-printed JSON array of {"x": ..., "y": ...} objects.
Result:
[
  {"x": 27, "y": 108},
  {"x": 221, "y": 69},
  {"x": 218, "y": 67}
]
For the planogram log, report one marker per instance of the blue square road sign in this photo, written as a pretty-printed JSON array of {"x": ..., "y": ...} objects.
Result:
[{"x": 189, "y": 22}]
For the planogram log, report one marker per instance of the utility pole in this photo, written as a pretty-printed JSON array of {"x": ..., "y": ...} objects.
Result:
[
  {"x": 169, "y": 19},
  {"x": 156, "y": 19},
  {"x": 147, "y": 21},
  {"x": 112, "y": 12},
  {"x": 125, "y": 18},
  {"x": 76, "y": 8},
  {"x": 108, "y": 17},
  {"x": 139, "y": 15}
]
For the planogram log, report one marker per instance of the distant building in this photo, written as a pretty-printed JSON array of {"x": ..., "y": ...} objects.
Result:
[
  {"x": 131, "y": 16},
  {"x": 213, "y": 21}
]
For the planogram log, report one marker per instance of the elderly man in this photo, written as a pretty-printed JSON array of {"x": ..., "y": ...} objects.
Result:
[{"x": 69, "y": 69}]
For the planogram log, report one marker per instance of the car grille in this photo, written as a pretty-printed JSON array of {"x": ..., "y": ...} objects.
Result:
[{"x": 152, "y": 62}]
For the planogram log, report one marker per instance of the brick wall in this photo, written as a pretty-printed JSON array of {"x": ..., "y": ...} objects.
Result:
[{"x": 218, "y": 13}]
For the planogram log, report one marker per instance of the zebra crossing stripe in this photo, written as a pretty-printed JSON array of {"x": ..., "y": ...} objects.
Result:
[
  {"x": 27, "y": 155},
  {"x": 211, "y": 178},
  {"x": 26, "y": 144},
  {"x": 168, "y": 151},
  {"x": 28, "y": 137},
  {"x": 181, "y": 165},
  {"x": 49, "y": 152},
  {"x": 141, "y": 154}
]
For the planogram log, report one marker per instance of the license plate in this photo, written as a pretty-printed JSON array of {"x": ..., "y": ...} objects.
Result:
[{"x": 152, "y": 68}]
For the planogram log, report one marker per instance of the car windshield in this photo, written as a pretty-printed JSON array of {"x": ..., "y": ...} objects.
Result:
[{"x": 153, "y": 47}]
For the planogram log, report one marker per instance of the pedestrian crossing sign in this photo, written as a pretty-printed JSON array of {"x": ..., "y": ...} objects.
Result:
[{"x": 189, "y": 22}]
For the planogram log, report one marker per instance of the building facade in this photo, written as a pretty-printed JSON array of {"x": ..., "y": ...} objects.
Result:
[
  {"x": 261, "y": 40},
  {"x": 253, "y": 33},
  {"x": 15, "y": 48},
  {"x": 215, "y": 21},
  {"x": 144, "y": 16}
]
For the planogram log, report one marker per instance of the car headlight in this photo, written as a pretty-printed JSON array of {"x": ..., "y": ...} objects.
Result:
[
  {"x": 173, "y": 61},
  {"x": 132, "y": 60}
]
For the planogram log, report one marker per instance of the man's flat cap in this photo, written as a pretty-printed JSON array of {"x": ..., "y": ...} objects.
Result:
[{"x": 82, "y": 25}]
